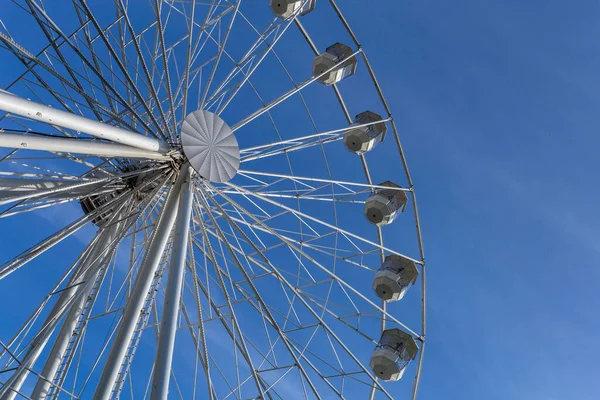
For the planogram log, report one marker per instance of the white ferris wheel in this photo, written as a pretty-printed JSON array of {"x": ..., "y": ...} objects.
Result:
[{"x": 201, "y": 200}]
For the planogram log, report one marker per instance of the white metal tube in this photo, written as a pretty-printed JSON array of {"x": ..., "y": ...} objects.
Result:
[
  {"x": 39, "y": 112},
  {"x": 77, "y": 146},
  {"x": 20, "y": 184},
  {"x": 11, "y": 187},
  {"x": 135, "y": 303},
  {"x": 306, "y": 178},
  {"x": 62, "y": 340},
  {"x": 78, "y": 187},
  {"x": 168, "y": 325},
  {"x": 82, "y": 188}
]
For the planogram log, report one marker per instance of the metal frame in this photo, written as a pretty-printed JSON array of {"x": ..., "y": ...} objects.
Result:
[{"x": 256, "y": 249}]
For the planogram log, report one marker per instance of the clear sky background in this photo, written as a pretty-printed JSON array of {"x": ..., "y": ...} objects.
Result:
[{"x": 498, "y": 107}]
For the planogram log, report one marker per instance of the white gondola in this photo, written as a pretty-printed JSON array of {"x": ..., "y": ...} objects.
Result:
[
  {"x": 286, "y": 8},
  {"x": 360, "y": 139},
  {"x": 393, "y": 354},
  {"x": 384, "y": 205},
  {"x": 394, "y": 277},
  {"x": 334, "y": 56}
]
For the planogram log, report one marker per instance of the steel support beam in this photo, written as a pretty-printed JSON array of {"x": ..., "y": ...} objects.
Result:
[
  {"x": 135, "y": 303},
  {"x": 77, "y": 146},
  {"x": 39, "y": 112},
  {"x": 168, "y": 325}
]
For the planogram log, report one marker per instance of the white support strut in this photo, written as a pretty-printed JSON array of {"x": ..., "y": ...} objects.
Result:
[
  {"x": 135, "y": 302},
  {"x": 168, "y": 325},
  {"x": 77, "y": 146},
  {"x": 39, "y": 112}
]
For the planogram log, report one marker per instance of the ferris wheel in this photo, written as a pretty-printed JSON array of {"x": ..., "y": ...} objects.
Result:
[{"x": 202, "y": 200}]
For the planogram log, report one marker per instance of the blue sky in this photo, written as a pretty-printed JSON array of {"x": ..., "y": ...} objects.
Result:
[{"x": 497, "y": 112}]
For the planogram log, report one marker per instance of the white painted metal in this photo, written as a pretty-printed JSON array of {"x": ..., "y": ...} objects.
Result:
[
  {"x": 39, "y": 112},
  {"x": 20, "y": 187},
  {"x": 311, "y": 179},
  {"x": 81, "y": 188},
  {"x": 168, "y": 325},
  {"x": 135, "y": 302},
  {"x": 210, "y": 146},
  {"x": 51, "y": 190},
  {"x": 77, "y": 146}
]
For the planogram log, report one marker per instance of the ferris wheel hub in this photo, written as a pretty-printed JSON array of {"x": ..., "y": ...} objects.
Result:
[
  {"x": 141, "y": 185},
  {"x": 210, "y": 146}
]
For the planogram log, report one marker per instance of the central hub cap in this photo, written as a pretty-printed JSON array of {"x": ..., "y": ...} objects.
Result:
[{"x": 210, "y": 146}]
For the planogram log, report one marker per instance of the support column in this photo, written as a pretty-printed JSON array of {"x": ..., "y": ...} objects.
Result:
[
  {"x": 135, "y": 303},
  {"x": 168, "y": 325}
]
